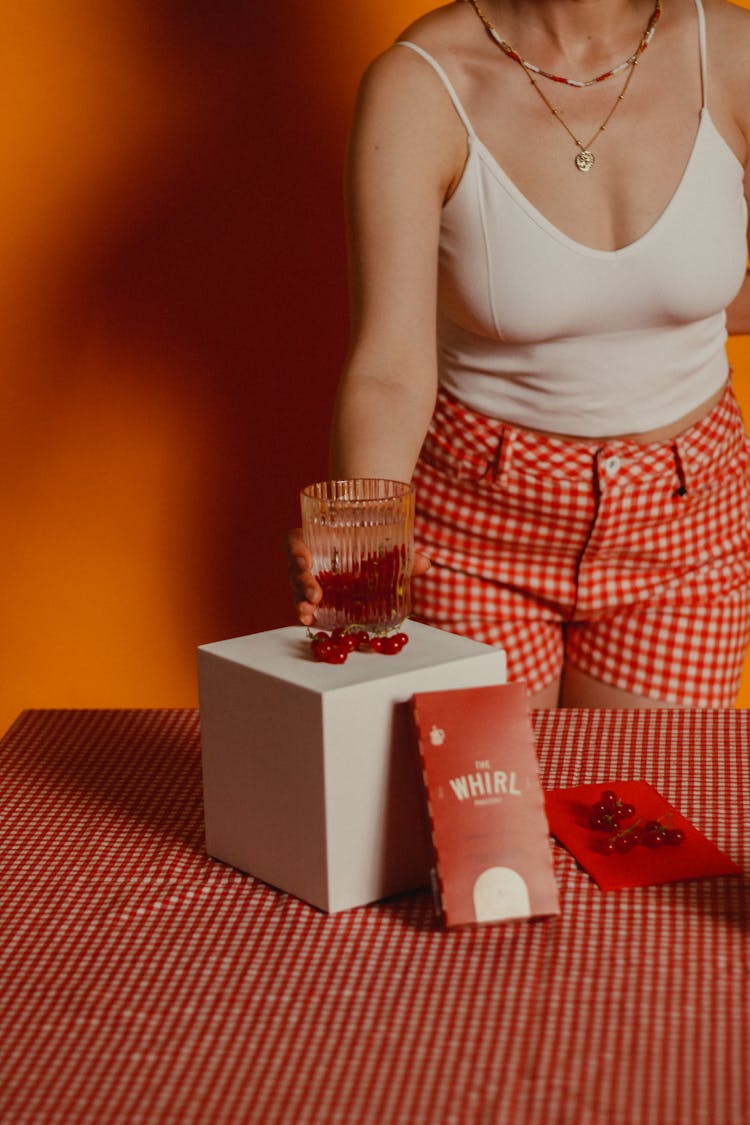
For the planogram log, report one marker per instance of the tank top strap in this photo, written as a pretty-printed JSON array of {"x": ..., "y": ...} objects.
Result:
[
  {"x": 702, "y": 51},
  {"x": 444, "y": 79}
]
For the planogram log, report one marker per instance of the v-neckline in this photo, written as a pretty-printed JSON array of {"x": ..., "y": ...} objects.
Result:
[{"x": 476, "y": 144}]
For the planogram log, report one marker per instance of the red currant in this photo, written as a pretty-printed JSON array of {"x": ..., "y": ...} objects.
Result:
[
  {"x": 334, "y": 647},
  {"x": 601, "y": 822},
  {"x": 607, "y": 814}
]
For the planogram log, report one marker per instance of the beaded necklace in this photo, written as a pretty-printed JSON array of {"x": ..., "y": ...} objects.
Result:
[{"x": 530, "y": 67}]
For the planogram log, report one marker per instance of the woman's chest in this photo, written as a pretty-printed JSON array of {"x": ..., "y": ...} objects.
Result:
[
  {"x": 513, "y": 270},
  {"x": 601, "y": 165}
]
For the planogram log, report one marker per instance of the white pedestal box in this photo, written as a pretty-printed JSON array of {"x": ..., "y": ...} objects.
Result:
[{"x": 310, "y": 772}]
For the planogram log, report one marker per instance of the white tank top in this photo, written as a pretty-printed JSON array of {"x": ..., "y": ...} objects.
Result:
[{"x": 545, "y": 332}]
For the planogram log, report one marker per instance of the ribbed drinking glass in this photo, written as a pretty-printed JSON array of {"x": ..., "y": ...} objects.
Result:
[{"x": 361, "y": 535}]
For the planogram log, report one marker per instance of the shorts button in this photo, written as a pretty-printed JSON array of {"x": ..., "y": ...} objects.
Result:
[{"x": 611, "y": 465}]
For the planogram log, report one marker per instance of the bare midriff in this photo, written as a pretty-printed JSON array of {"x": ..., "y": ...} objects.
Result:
[{"x": 662, "y": 433}]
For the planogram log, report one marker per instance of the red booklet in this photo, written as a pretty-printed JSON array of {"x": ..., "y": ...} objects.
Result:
[{"x": 491, "y": 843}]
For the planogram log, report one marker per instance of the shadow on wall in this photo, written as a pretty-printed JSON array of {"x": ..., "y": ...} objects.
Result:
[
  {"x": 173, "y": 302},
  {"x": 174, "y": 299},
  {"x": 232, "y": 277}
]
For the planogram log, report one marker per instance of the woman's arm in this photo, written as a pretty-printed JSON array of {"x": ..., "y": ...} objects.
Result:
[
  {"x": 734, "y": 49},
  {"x": 738, "y": 313},
  {"x": 406, "y": 153}
]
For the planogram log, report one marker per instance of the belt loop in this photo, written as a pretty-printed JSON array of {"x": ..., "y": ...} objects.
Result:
[
  {"x": 492, "y": 472},
  {"x": 500, "y": 459},
  {"x": 596, "y": 457},
  {"x": 681, "y": 490}
]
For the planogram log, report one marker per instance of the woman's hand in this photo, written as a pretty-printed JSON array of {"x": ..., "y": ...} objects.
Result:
[
  {"x": 307, "y": 591},
  {"x": 306, "y": 588}
]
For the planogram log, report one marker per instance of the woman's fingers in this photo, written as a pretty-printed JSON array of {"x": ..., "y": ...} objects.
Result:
[
  {"x": 306, "y": 588},
  {"x": 421, "y": 564},
  {"x": 307, "y": 591}
]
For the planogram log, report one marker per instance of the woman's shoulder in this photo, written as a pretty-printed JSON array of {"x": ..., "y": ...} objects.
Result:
[
  {"x": 445, "y": 33},
  {"x": 728, "y": 43},
  {"x": 728, "y": 39},
  {"x": 400, "y": 96},
  {"x": 442, "y": 33},
  {"x": 444, "y": 26},
  {"x": 728, "y": 26}
]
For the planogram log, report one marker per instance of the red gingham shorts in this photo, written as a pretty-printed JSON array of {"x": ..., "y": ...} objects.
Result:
[{"x": 629, "y": 561}]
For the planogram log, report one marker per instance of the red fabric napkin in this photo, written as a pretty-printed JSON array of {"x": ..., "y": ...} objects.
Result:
[{"x": 568, "y": 813}]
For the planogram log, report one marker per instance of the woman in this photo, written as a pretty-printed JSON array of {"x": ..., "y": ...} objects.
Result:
[{"x": 572, "y": 210}]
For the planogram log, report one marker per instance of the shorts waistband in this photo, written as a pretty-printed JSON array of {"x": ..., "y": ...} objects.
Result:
[{"x": 480, "y": 447}]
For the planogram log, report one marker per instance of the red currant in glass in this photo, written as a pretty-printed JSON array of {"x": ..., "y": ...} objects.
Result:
[{"x": 675, "y": 836}]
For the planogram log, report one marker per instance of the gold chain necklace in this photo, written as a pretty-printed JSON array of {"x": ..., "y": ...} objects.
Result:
[{"x": 585, "y": 159}]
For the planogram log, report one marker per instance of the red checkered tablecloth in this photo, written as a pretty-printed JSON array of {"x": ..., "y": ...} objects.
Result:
[{"x": 141, "y": 982}]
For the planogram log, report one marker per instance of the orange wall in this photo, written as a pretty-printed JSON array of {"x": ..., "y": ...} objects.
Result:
[{"x": 173, "y": 311}]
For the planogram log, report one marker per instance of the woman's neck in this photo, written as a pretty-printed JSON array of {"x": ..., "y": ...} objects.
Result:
[{"x": 578, "y": 33}]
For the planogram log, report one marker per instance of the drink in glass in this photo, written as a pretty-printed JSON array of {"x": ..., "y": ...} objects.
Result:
[{"x": 361, "y": 535}]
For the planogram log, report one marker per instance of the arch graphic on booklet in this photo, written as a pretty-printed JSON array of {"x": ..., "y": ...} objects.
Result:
[{"x": 500, "y": 892}]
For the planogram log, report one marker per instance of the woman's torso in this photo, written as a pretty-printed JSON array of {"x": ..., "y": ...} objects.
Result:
[{"x": 589, "y": 303}]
